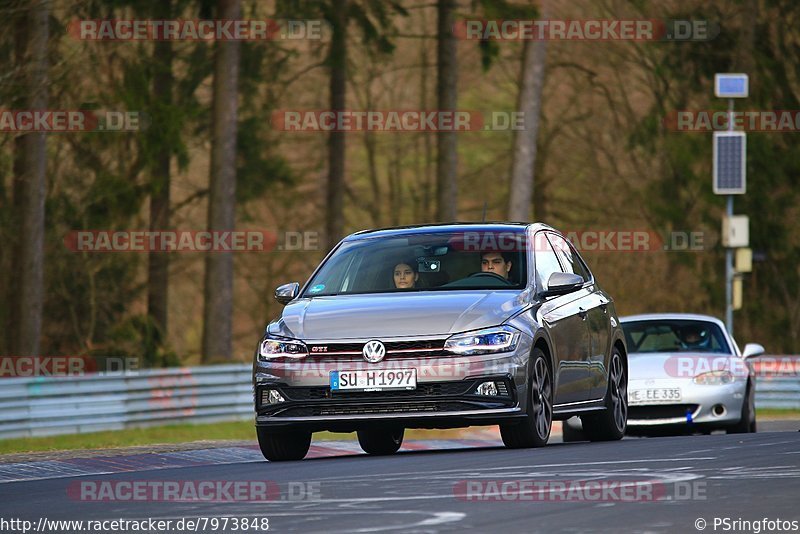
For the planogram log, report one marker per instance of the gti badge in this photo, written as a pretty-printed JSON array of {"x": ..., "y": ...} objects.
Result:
[{"x": 374, "y": 351}]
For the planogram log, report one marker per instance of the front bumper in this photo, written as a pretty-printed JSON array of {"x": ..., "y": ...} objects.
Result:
[
  {"x": 445, "y": 395},
  {"x": 712, "y": 406}
]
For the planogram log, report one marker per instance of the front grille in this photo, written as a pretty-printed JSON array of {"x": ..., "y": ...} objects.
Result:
[
  {"x": 661, "y": 411},
  {"x": 432, "y": 347},
  {"x": 424, "y": 390},
  {"x": 368, "y": 409}
]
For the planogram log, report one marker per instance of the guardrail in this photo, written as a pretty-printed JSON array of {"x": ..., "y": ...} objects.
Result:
[
  {"x": 49, "y": 405},
  {"x": 777, "y": 382}
]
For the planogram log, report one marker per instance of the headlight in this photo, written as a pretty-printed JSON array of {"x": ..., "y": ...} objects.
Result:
[
  {"x": 498, "y": 339},
  {"x": 714, "y": 378},
  {"x": 275, "y": 347}
]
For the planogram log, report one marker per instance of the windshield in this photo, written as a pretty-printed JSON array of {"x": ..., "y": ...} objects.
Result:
[
  {"x": 424, "y": 262},
  {"x": 675, "y": 335}
]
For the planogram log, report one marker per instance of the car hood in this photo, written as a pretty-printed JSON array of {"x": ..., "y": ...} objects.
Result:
[
  {"x": 384, "y": 316},
  {"x": 668, "y": 365}
]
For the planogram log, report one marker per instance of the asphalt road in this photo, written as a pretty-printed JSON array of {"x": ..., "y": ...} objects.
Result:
[{"x": 670, "y": 483}]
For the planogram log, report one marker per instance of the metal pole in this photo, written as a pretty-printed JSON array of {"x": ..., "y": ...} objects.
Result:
[
  {"x": 729, "y": 272},
  {"x": 729, "y": 278}
]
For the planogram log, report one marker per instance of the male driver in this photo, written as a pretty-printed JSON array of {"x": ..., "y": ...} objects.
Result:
[{"x": 497, "y": 263}]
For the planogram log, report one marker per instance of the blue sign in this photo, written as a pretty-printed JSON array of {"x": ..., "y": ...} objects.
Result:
[{"x": 731, "y": 85}]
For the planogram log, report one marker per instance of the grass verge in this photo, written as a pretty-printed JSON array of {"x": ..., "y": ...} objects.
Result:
[{"x": 239, "y": 430}]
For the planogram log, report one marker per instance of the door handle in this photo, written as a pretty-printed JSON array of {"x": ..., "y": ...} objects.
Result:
[{"x": 582, "y": 313}]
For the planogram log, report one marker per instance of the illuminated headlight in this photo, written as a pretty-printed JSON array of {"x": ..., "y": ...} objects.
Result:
[
  {"x": 274, "y": 347},
  {"x": 714, "y": 378},
  {"x": 498, "y": 339}
]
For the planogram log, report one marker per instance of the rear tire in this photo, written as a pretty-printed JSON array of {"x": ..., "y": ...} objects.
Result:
[
  {"x": 535, "y": 430},
  {"x": 611, "y": 423},
  {"x": 747, "y": 423},
  {"x": 381, "y": 442},
  {"x": 283, "y": 446}
]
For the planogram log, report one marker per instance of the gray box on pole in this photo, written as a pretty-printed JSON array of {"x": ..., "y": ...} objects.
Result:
[{"x": 730, "y": 150}]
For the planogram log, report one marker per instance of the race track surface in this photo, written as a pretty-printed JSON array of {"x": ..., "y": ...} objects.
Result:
[{"x": 668, "y": 484}]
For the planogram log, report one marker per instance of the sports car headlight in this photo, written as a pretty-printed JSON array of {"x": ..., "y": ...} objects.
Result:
[
  {"x": 275, "y": 347},
  {"x": 498, "y": 339},
  {"x": 714, "y": 378}
]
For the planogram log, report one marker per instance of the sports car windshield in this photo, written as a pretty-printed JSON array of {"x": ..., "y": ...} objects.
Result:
[
  {"x": 674, "y": 335},
  {"x": 424, "y": 262}
]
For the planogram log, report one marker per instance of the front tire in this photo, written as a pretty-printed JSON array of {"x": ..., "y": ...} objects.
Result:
[
  {"x": 535, "y": 430},
  {"x": 747, "y": 423},
  {"x": 381, "y": 442},
  {"x": 283, "y": 446},
  {"x": 611, "y": 423}
]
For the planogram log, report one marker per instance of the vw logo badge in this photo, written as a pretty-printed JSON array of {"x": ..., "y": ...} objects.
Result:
[{"x": 374, "y": 351}]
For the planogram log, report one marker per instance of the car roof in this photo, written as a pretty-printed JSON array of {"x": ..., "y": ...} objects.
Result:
[
  {"x": 672, "y": 316},
  {"x": 447, "y": 227}
]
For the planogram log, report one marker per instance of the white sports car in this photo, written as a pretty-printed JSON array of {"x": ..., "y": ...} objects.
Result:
[{"x": 687, "y": 375}]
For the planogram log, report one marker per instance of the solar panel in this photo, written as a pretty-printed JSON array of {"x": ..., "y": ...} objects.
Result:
[{"x": 729, "y": 163}]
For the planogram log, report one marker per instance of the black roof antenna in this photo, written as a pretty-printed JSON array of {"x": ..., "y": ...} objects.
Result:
[{"x": 483, "y": 217}]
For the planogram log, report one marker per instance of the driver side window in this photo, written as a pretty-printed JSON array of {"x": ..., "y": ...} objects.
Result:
[{"x": 546, "y": 260}]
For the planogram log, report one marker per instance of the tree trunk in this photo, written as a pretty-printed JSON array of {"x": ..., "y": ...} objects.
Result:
[
  {"x": 158, "y": 263},
  {"x": 29, "y": 293},
  {"x": 447, "y": 157},
  {"x": 218, "y": 312},
  {"x": 337, "y": 59},
  {"x": 529, "y": 104}
]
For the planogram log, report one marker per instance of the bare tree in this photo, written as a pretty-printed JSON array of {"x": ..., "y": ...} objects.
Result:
[
  {"x": 529, "y": 103},
  {"x": 218, "y": 301},
  {"x": 446, "y": 92},
  {"x": 337, "y": 58},
  {"x": 158, "y": 263},
  {"x": 32, "y": 189}
]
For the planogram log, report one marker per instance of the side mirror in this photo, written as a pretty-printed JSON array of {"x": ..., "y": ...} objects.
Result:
[
  {"x": 287, "y": 292},
  {"x": 562, "y": 283},
  {"x": 752, "y": 350}
]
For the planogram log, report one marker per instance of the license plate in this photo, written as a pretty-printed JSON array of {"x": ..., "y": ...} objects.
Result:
[
  {"x": 653, "y": 396},
  {"x": 374, "y": 380}
]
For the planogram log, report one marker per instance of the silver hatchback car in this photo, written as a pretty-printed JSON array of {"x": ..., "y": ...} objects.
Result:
[{"x": 441, "y": 326}]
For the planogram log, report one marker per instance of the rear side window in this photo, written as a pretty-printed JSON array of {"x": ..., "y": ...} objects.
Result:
[{"x": 569, "y": 257}]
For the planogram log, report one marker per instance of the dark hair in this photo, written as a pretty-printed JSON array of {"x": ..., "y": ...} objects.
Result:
[
  {"x": 507, "y": 256},
  {"x": 410, "y": 263}
]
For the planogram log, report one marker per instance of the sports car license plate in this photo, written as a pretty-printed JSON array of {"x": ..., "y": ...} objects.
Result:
[
  {"x": 654, "y": 396},
  {"x": 377, "y": 380}
]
